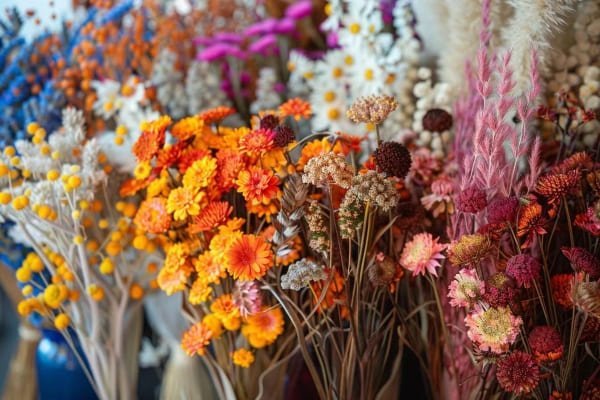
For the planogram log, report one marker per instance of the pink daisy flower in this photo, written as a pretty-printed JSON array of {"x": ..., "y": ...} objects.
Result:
[
  {"x": 493, "y": 329},
  {"x": 423, "y": 253}
]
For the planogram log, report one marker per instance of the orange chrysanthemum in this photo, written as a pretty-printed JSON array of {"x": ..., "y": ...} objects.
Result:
[
  {"x": 151, "y": 139},
  {"x": 187, "y": 127},
  {"x": 257, "y": 142},
  {"x": 169, "y": 155},
  {"x": 189, "y": 156},
  {"x": 216, "y": 114},
  {"x": 229, "y": 165},
  {"x": 554, "y": 186},
  {"x": 313, "y": 149},
  {"x": 262, "y": 328},
  {"x": 296, "y": 108},
  {"x": 530, "y": 222},
  {"x": 214, "y": 214},
  {"x": 208, "y": 270},
  {"x": 258, "y": 186},
  {"x": 562, "y": 289},
  {"x": 196, "y": 339},
  {"x": 185, "y": 201},
  {"x": 261, "y": 210},
  {"x": 225, "y": 309},
  {"x": 349, "y": 143},
  {"x": 249, "y": 257},
  {"x": 172, "y": 280},
  {"x": 152, "y": 216}
]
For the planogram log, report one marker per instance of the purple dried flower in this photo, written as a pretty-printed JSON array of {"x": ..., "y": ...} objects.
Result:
[
  {"x": 285, "y": 26},
  {"x": 262, "y": 27},
  {"x": 218, "y": 51},
  {"x": 299, "y": 10},
  {"x": 228, "y": 37},
  {"x": 264, "y": 45}
]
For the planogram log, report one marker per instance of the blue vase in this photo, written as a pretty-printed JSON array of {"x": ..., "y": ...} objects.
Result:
[{"x": 60, "y": 377}]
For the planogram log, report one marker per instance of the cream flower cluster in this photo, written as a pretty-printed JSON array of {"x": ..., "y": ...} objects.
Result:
[{"x": 369, "y": 61}]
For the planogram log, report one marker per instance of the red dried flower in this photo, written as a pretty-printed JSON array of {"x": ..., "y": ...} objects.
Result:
[
  {"x": 588, "y": 221},
  {"x": 471, "y": 200},
  {"x": 582, "y": 260},
  {"x": 393, "y": 159},
  {"x": 556, "y": 395},
  {"x": 269, "y": 122},
  {"x": 437, "y": 120},
  {"x": 284, "y": 135},
  {"x": 502, "y": 210},
  {"x": 580, "y": 160},
  {"x": 148, "y": 145},
  {"x": 591, "y": 330},
  {"x": 524, "y": 269},
  {"x": 545, "y": 343},
  {"x": 554, "y": 186},
  {"x": 188, "y": 156},
  {"x": 168, "y": 156},
  {"x": 518, "y": 373}
]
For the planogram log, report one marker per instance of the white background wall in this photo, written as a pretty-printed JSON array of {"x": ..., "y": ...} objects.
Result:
[{"x": 43, "y": 11}]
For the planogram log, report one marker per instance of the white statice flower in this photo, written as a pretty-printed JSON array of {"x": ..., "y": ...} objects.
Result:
[
  {"x": 203, "y": 87},
  {"x": 108, "y": 101},
  {"x": 267, "y": 97}
]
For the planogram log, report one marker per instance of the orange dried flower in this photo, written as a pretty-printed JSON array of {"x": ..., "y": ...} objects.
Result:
[
  {"x": 196, "y": 339},
  {"x": 172, "y": 280},
  {"x": 258, "y": 186},
  {"x": 562, "y": 288},
  {"x": 257, "y": 142},
  {"x": 152, "y": 216},
  {"x": 131, "y": 186},
  {"x": 554, "y": 186},
  {"x": 187, "y": 127},
  {"x": 296, "y": 108},
  {"x": 313, "y": 149},
  {"x": 469, "y": 249},
  {"x": 530, "y": 222},
  {"x": 168, "y": 156},
  {"x": 216, "y": 114},
  {"x": 229, "y": 165},
  {"x": 189, "y": 156},
  {"x": 214, "y": 214},
  {"x": 576, "y": 161},
  {"x": 147, "y": 145},
  {"x": 249, "y": 257}
]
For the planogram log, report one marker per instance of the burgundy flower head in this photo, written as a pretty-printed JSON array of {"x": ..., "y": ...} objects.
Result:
[
  {"x": 500, "y": 291},
  {"x": 437, "y": 120},
  {"x": 582, "y": 260},
  {"x": 393, "y": 158},
  {"x": 524, "y": 269},
  {"x": 502, "y": 210},
  {"x": 269, "y": 121},
  {"x": 471, "y": 200},
  {"x": 518, "y": 373},
  {"x": 284, "y": 135}
]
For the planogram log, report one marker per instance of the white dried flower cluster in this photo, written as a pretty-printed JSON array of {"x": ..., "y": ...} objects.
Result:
[
  {"x": 267, "y": 97},
  {"x": 369, "y": 61},
  {"x": 301, "y": 273},
  {"x": 578, "y": 70},
  {"x": 429, "y": 95},
  {"x": 374, "y": 188},
  {"x": 327, "y": 168},
  {"x": 203, "y": 87},
  {"x": 168, "y": 81}
]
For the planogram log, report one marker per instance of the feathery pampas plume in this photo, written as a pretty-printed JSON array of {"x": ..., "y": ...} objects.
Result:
[{"x": 533, "y": 22}]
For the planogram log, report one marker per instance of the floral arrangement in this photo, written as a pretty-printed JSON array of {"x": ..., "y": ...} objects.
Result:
[{"x": 329, "y": 213}]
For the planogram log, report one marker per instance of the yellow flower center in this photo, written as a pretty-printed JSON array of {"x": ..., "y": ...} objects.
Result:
[
  {"x": 369, "y": 74},
  {"x": 329, "y": 96},
  {"x": 337, "y": 72},
  {"x": 333, "y": 113},
  {"x": 354, "y": 28},
  {"x": 348, "y": 60}
]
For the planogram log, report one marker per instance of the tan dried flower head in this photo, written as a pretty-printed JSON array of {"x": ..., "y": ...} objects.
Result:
[
  {"x": 319, "y": 234},
  {"x": 328, "y": 168},
  {"x": 470, "y": 249},
  {"x": 586, "y": 296},
  {"x": 375, "y": 188},
  {"x": 372, "y": 109}
]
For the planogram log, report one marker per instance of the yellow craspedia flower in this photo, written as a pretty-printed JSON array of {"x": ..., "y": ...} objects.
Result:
[
  {"x": 52, "y": 175},
  {"x": 103, "y": 224},
  {"x": 62, "y": 321},
  {"x": 32, "y": 127},
  {"x": 107, "y": 266},
  {"x": 78, "y": 239},
  {"x": 140, "y": 242},
  {"x": 95, "y": 292},
  {"x": 54, "y": 295},
  {"x": 242, "y": 357},
  {"x": 9, "y": 151},
  {"x": 20, "y": 202},
  {"x": 5, "y": 198},
  {"x": 142, "y": 170},
  {"x": 4, "y": 169},
  {"x": 27, "y": 290},
  {"x": 72, "y": 182},
  {"x": 24, "y": 308},
  {"x": 23, "y": 274},
  {"x": 34, "y": 262},
  {"x": 113, "y": 248}
]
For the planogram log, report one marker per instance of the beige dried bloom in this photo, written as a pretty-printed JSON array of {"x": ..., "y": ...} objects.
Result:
[
  {"x": 319, "y": 234},
  {"x": 350, "y": 216},
  {"x": 586, "y": 296},
  {"x": 328, "y": 168},
  {"x": 372, "y": 109},
  {"x": 375, "y": 188}
]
